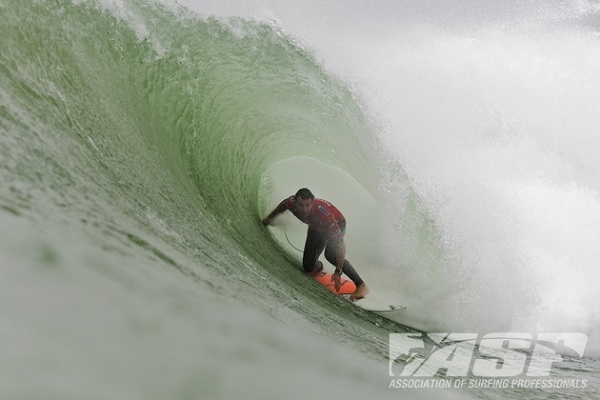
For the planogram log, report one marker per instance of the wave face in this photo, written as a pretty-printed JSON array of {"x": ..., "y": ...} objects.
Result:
[
  {"x": 134, "y": 141},
  {"x": 142, "y": 142}
]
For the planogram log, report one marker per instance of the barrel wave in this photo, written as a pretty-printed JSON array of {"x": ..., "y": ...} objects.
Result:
[
  {"x": 165, "y": 111},
  {"x": 135, "y": 139},
  {"x": 142, "y": 142}
]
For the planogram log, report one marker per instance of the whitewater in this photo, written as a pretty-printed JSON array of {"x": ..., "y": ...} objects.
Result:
[{"x": 142, "y": 142}]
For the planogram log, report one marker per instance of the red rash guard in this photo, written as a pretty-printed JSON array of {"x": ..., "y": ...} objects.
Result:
[{"x": 323, "y": 217}]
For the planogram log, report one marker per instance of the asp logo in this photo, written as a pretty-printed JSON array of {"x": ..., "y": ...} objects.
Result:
[{"x": 504, "y": 354}]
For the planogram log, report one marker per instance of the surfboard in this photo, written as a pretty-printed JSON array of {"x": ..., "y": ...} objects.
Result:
[
  {"x": 378, "y": 306},
  {"x": 347, "y": 287}
]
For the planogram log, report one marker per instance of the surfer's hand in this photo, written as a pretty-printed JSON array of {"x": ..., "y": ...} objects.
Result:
[
  {"x": 335, "y": 278},
  {"x": 266, "y": 221}
]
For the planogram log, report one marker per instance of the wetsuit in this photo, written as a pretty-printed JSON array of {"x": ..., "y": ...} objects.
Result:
[{"x": 326, "y": 229}]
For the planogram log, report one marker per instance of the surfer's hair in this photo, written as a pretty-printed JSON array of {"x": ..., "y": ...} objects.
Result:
[{"x": 304, "y": 194}]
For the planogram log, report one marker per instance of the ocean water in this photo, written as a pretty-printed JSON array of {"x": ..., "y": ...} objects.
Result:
[{"x": 143, "y": 141}]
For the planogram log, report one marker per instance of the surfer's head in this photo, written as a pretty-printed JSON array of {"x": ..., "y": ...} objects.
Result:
[
  {"x": 304, "y": 194},
  {"x": 304, "y": 201}
]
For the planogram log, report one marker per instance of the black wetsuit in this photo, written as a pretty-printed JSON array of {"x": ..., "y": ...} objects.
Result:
[{"x": 316, "y": 242}]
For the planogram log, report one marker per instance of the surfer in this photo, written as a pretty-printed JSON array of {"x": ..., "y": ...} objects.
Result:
[{"x": 326, "y": 229}]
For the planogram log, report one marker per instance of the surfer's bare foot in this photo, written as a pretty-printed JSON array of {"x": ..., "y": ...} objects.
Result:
[{"x": 360, "y": 292}]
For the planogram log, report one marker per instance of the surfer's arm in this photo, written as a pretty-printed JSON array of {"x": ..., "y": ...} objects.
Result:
[{"x": 282, "y": 207}]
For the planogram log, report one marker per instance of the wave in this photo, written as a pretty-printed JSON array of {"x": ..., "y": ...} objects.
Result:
[{"x": 145, "y": 139}]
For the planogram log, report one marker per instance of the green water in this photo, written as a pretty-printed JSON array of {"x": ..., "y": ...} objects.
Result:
[
  {"x": 134, "y": 264},
  {"x": 138, "y": 143}
]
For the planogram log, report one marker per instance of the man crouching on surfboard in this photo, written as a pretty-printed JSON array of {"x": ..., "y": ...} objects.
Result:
[{"x": 326, "y": 229}]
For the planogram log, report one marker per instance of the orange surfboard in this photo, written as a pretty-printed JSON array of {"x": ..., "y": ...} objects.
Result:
[{"x": 347, "y": 287}]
